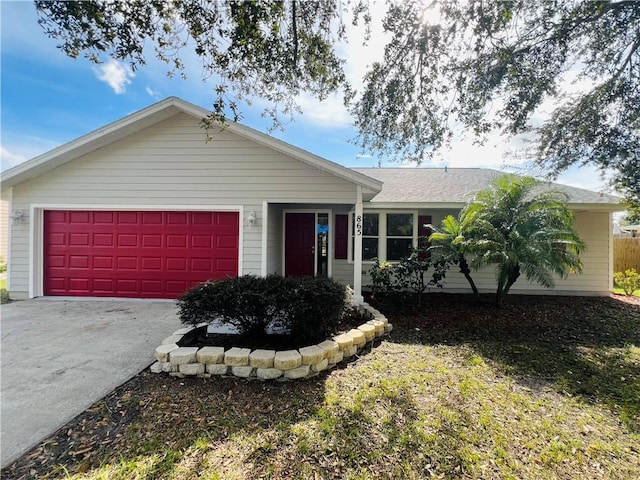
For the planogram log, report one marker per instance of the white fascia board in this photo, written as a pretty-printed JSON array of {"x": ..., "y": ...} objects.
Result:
[{"x": 598, "y": 207}]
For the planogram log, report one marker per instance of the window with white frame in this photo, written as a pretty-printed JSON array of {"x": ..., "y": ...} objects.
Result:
[
  {"x": 387, "y": 236},
  {"x": 370, "y": 236},
  {"x": 399, "y": 235}
]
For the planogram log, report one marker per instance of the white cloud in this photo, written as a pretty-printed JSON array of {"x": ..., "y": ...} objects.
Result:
[
  {"x": 588, "y": 177},
  {"x": 358, "y": 57},
  {"x": 153, "y": 93},
  {"x": 114, "y": 74},
  {"x": 17, "y": 149},
  {"x": 331, "y": 112},
  {"x": 10, "y": 159}
]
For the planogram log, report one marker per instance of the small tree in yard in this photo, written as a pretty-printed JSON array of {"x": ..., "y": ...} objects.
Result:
[
  {"x": 523, "y": 231},
  {"x": 628, "y": 281},
  {"x": 451, "y": 244},
  {"x": 411, "y": 272}
]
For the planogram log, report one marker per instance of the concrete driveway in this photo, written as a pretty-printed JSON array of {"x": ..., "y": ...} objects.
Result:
[{"x": 60, "y": 356}]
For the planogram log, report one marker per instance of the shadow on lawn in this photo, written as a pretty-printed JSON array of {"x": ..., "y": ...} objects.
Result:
[
  {"x": 151, "y": 423},
  {"x": 583, "y": 346}
]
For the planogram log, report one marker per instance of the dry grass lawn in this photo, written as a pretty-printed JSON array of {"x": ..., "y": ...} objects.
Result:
[{"x": 545, "y": 387}]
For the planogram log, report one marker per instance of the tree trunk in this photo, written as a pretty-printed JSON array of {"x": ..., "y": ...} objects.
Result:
[
  {"x": 512, "y": 276},
  {"x": 466, "y": 271}
]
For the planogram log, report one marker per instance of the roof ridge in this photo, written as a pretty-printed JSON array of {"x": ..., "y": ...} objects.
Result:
[{"x": 424, "y": 168}]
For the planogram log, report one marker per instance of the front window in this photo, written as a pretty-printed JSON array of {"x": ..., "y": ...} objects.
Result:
[
  {"x": 399, "y": 235},
  {"x": 370, "y": 235},
  {"x": 386, "y": 236}
]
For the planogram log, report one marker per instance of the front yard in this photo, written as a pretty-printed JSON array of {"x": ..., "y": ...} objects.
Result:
[{"x": 545, "y": 387}]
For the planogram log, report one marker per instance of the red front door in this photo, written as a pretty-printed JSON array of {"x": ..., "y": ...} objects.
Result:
[
  {"x": 137, "y": 254},
  {"x": 299, "y": 243}
]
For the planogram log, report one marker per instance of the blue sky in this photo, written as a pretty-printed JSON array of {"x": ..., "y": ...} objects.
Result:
[{"x": 49, "y": 99}]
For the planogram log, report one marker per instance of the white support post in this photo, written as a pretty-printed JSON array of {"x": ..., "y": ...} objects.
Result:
[
  {"x": 357, "y": 249},
  {"x": 265, "y": 225}
]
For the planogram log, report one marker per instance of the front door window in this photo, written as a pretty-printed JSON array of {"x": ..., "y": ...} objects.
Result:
[{"x": 322, "y": 246}]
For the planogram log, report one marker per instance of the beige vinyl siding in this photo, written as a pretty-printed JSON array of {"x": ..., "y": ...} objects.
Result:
[
  {"x": 170, "y": 163},
  {"x": 343, "y": 272},
  {"x": 594, "y": 229},
  {"x": 274, "y": 240},
  {"x": 4, "y": 224}
]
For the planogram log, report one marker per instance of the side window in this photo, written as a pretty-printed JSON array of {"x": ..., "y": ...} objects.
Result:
[{"x": 399, "y": 235}]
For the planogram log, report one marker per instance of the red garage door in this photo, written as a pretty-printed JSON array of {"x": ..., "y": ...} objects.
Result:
[{"x": 136, "y": 254}]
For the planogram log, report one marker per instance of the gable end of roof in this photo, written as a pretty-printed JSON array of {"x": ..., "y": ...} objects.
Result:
[{"x": 154, "y": 114}]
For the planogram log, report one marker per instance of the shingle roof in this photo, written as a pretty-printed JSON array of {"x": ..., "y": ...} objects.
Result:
[{"x": 456, "y": 185}]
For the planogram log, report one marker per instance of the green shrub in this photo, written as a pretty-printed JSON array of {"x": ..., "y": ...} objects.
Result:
[
  {"x": 3, "y": 265},
  {"x": 248, "y": 303},
  {"x": 315, "y": 308},
  {"x": 628, "y": 281},
  {"x": 408, "y": 274},
  {"x": 383, "y": 279},
  {"x": 307, "y": 308}
]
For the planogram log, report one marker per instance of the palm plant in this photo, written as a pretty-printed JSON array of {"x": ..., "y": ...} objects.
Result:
[
  {"x": 451, "y": 244},
  {"x": 522, "y": 231}
]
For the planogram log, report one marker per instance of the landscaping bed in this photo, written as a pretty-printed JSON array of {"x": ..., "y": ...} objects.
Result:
[
  {"x": 352, "y": 319},
  {"x": 183, "y": 354},
  {"x": 543, "y": 387}
]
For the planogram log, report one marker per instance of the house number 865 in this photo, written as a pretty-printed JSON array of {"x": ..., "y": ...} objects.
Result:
[{"x": 359, "y": 225}]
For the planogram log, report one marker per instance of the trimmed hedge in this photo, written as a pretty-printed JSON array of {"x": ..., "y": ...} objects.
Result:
[{"x": 308, "y": 308}]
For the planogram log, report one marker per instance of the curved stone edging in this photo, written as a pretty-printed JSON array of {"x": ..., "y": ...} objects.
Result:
[{"x": 304, "y": 362}]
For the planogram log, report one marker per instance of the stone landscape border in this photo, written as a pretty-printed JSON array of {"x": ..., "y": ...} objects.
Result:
[{"x": 205, "y": 362}]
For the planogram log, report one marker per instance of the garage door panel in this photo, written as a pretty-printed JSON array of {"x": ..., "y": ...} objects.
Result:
[
  {"x": 177, "y": 218},
  {"x": 229, "y": 219},
  {"x": 79, "y": 261},
  {"x": 127, "y": 218},
  {"x": 137, "y": 254},
  {"x": 127, "y": 263},
  {"x": 102, "y": 218},
  {"x": 102, "y": 263},
  {"x": 225, "y": 241},
  {"x": 176, "y": 241},
  {"x": 151, "y": 263},
  {"x": 103, "y": 285},
  {"x": 151, "y": 240},
  {"x": 79, "y": 218},
  {"x": 78, "y": 285},
  {"x": 127, "y": 286},
  {"x": 177, "y": 287},
  {"x": 99, "y": 240},
  {"x": 54, "y": 239},
  {"x": 127, "y": 240},
  {"x": 225, "y": 266},
  {"x": 201, "y": 264},
  {"x": 176, "y": 264}
]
